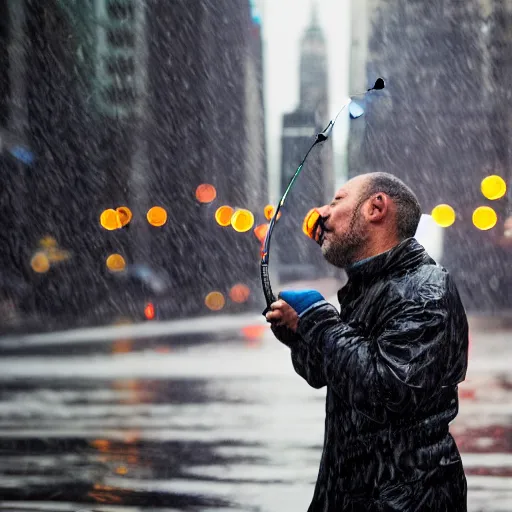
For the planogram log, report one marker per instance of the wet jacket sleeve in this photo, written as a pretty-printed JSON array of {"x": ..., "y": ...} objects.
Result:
[
  {"x": 393, "y": 373},
  {"x": 307, "y": 363}
]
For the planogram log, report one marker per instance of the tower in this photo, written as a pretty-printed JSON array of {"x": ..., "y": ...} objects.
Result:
[{"x": 298, "y": 256}]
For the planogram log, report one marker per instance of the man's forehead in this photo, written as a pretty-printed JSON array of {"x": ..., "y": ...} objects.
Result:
[{"x": 352, "y": 186}]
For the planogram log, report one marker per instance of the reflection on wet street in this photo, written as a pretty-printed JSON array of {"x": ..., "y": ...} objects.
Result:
[{"x": 132, "y": 426}]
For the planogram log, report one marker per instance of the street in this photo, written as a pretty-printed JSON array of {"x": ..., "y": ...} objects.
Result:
[{"x": 160, "y": 424}]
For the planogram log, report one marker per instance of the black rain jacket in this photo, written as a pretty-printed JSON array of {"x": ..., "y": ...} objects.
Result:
[{"x": 391, "y": 360}]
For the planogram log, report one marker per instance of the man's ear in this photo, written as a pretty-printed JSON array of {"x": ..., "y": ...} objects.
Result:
[{"x": 378, "y": 207}]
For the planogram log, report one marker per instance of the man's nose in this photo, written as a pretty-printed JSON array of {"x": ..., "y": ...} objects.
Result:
[{"x": 323, "y": 211}]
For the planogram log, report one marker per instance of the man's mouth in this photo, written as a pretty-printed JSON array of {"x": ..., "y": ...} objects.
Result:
[{"x": 320, "y": 232}]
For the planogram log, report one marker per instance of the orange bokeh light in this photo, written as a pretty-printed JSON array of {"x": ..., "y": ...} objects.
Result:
[
  {"x": 261, "y": 232},
  {"x": 116, "y": 263},
  {"x": 40, "y": 262},
  {"x": 223, "y": 215},
  {"x": 269, "y": 211},
  {"x": 239, "y": 293},
  {"x": 110, "y": 220},
  {"x": 149, "y": 311},
  {"x": 206, "y": 193},
  {"x": 215, "y": 301},
  {"x": 254, "y": 332},
  {"x": 157, "y": 216},
  {"x": 125, "y": 215}
]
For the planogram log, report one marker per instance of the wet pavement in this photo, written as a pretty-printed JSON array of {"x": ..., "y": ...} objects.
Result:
[{"x": 168, "y": 423}]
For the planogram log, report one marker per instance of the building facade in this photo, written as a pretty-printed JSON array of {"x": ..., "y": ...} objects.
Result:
[
  {"x": 133, "y": 103},
  {"x": 298, "y": 256}
]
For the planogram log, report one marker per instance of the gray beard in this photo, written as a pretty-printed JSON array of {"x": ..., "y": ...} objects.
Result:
[{"x": 343, "y": 251}]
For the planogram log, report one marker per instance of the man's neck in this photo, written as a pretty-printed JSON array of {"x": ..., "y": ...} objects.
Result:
[{"x": 376, "y": 248}]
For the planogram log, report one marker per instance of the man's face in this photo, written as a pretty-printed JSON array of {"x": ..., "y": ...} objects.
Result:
[{"x": 345, "y": 232}]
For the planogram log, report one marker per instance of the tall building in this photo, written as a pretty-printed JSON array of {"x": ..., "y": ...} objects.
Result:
[
  {"x": 205, "y": 124},
  {"x": 432, "y": 126},
  {"x": 133, "y": 103},
  {"x": 298, "y": 256}
]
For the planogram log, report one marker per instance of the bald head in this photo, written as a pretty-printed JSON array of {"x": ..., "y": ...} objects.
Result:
[{"x": 369, "y": 214}]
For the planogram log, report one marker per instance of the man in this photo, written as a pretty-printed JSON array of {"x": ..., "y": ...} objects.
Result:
[{"x": 391, "y": 358}]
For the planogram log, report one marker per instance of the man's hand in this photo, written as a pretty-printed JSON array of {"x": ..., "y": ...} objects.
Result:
[
  {"x": 291, "y": 304},
  {"x": 283, "y": 314}
]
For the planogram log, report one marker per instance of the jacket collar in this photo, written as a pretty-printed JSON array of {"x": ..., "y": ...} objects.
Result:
[{"x": 405, "y": 256}]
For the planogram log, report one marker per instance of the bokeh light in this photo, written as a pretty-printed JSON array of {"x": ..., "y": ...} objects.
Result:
[
  {"x": 242, "y": 221},
  {"x": 116, "y": 263},
  {"x": 443, "y": 215},
  {"x": 239, "y": 293},
  {"x": 110, "y": 220},
  {"x": 206, "y": 193},
  {"x": 149, "y": 311},
  {"x": 125, "y": 215},
  {"x": 157, "y": 216},
  {"x": 310, "y": 221},
  {"x": 40, "y": 262},
  {"x": 261, "y": 232},
  {"x": 493, "y": 187},
  {"x": 484, "y": 218},
  {"x": 48, "y": 242},
  {"x": 215, "y": 301},
  {"x": 269, "y": 211},
  {"x": 223, "y": 215}
]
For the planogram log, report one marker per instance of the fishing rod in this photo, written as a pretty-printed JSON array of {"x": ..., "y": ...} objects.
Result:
[{"x": 320, "y": 137}]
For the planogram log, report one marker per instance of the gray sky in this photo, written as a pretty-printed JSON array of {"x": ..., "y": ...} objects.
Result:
[{"x": 284, "y": 22}]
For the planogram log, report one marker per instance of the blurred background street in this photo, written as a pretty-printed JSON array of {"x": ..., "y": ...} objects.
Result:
[{"x": 213, "y": 420}]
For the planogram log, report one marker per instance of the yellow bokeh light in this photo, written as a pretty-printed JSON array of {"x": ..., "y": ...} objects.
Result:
[
  {"x": 242, "y": 221},
  {"x": 310, "y": 222},
  {"x": 110, "y": 220},
  {"x": 493, "y": 187},
  {"x": 40, "y": 262},
  {"x": 206, "y": 193},
  {"x": 484, "y": 218},
  {"x": 157, "y": 216},
  {"x": 48, "y": 242},
  {"x": 116, "y": 263},
  {"x": 125, "y": 215},
  {"x": 443, "y": 215},
  {"x": 215, "y": 301},
  {"x": 223, "y": 215}
]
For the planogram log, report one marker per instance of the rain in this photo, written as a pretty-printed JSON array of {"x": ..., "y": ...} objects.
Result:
[{"x": 145, "y": 147}]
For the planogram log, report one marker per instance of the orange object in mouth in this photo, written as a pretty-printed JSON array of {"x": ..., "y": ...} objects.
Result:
[{"x": 311, "y": 225}]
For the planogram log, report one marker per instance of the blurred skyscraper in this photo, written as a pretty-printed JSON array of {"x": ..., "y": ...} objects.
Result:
[
  {"x": 441, "y": 122},
  {"x": 298, "y": 256},
  {"x": 132, "y": 103}
]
